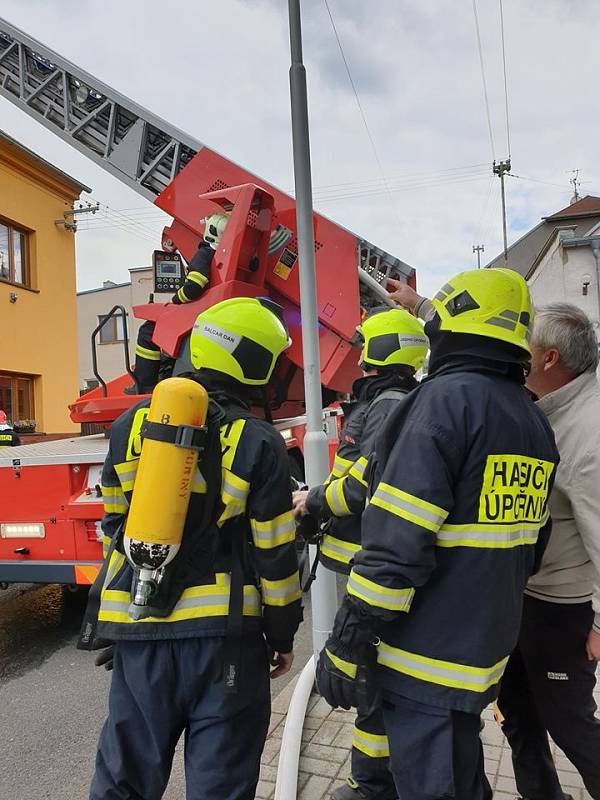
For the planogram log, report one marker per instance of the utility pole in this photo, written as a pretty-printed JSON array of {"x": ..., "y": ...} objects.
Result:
[
  {"x": 576, "y": 183},
  {"x": 479, "y": 249},
  {"x": 316, "y": 455},
  {"x": 500, "y": 169}
]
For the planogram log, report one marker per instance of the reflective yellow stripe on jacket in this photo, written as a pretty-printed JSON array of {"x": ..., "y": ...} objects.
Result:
[
  {"x": 443, "y": 673},
  {"x": 274, "y": 532},
  {"x": 338, "y": 549},
  {"x": 347, "y": 667},
  {"x": 211, "y": 600},
  {"x": 182, "y": 296},
  {"x": 489, "y": 535},
  {"x": 409, "y": 507},
  {"x": 380, "y": 596},
  {"x": 197, "y": 277},
  {"x": 374, "y": 745},
  {"x": 114, "y": 500},
  {"x": 126, "y": 473},
  {"x": 357, "y": 470},
  {"x": 334, "y": 496},
  {"x": 145, "y": 352},
  {"x": 340, "y": 467},
  {"x": 281, "y": 593}
]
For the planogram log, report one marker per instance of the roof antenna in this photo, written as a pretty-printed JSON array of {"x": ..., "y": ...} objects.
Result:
[{"x": 576, "y": 184}]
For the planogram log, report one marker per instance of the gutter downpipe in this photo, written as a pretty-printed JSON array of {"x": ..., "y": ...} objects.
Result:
[
  {"x": 316, "y": 455},
  {"x": 594, "y": 243}
]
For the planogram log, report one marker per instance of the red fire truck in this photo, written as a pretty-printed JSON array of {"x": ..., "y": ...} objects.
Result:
[{"x": 51, "y": 503}]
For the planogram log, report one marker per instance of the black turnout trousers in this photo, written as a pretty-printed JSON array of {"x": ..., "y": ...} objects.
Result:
[
  {"x": 548, "y": 689},
  {"x": 164, "y": 689},
  {"x": 435, "y": 753}
]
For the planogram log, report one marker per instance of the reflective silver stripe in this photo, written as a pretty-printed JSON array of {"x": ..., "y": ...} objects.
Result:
[
  {"x": 116, "y": 562},
  {"x": 281, "y": 592},
  {"x": 234, "y": 491},
  {"x": 446, "y": 673},
  {"x": 126, "y": 477},
  {"x": 335, "y": 498},
  {"x": 371, "y": 745},
  {"x": 497, "y": 538},
  {"x": 447, "y": 288},
  {"x": 199, "y": 483},
  {"x": 197, "y": 277},
  {"x": 502, "y": 323},
  {"x": 393, "y": 599},
  {"x": 509, "y": 314},
  {"x": 282, "y": 529},
  {"x": 250, "y": 601},
  {"x": 332, "y": 545},
  {"x": 115, "y": 500},
  {"x": 405, "y": 505}
]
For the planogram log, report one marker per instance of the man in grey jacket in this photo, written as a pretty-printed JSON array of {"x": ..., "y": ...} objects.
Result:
[{"x": 550, "y": 678}]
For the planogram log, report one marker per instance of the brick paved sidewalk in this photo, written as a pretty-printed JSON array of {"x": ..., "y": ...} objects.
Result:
[{"x": 325, "y": 754}]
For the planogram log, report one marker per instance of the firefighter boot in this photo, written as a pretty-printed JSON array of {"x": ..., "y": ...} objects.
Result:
[{"x": 351, "y": 791}]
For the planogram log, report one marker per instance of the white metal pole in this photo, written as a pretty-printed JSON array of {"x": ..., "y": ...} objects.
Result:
[{"x": 323, "y": 592}]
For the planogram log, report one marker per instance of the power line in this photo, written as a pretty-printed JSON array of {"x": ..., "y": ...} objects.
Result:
[
  {"x": 402, "y": 176},
  {"x": 116, "y": 219},
  {"x": 538, "y": 180},
  {"x": 401, "y": 184},
  {"x": 406, "y": 188},
  {"x": 485, "y": 92},
  {"x": 505, "y": 81},
  {"x": 139, "y": 225},
  {"x": 360, "y": 108}
]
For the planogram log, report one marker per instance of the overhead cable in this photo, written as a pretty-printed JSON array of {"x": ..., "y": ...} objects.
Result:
[
  {"x": 483, "y": 80},
  {"x": 393, "y": 177},
  {"x": 406, "y": 188},
  {"x": 505, "y": 81},
  {"x": 360, "y": 107}
]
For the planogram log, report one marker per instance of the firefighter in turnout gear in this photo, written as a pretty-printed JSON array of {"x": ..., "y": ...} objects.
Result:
[
  {"x": 147, "y": 354},
  {"x": 8, "y": 438},
  {"x": 227, "y": 604},
  {"x": 456, "y": 523},
  {"x": 394, "y": 348}
]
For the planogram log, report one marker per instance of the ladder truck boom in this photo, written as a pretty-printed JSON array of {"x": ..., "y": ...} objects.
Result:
[{"x": 137, "y": 147}]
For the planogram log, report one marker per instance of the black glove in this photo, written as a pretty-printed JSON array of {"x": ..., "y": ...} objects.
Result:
[
  {"x": 105, "y": 658},
  {"x": 346, "y": 666}
]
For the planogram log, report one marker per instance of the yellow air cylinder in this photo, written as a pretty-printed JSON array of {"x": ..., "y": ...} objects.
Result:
[{"x": 163, "y": 483}]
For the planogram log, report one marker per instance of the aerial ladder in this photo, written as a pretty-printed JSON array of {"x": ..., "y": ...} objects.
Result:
[{"x": 189, "y": 181}]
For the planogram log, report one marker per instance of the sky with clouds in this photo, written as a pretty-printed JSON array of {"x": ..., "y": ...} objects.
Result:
[{"x": 220, "y": 72}]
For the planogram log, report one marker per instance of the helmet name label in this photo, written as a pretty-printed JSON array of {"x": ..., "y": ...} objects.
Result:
[
  {"x": 229, "y": 341},
  {"x": 515, "y": 489}
]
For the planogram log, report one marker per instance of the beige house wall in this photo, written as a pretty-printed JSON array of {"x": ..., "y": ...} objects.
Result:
[{"x": 97, "y": 302}]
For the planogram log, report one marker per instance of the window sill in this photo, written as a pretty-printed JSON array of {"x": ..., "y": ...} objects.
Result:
[
  {"x": 116, "y": 341},
  {"x": 19, "y": 286}
]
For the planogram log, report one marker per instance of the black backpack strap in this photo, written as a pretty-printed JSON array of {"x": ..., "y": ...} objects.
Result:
[
  {"x": 232, "y": 651},
  {"x": 87, "y": 634}
]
